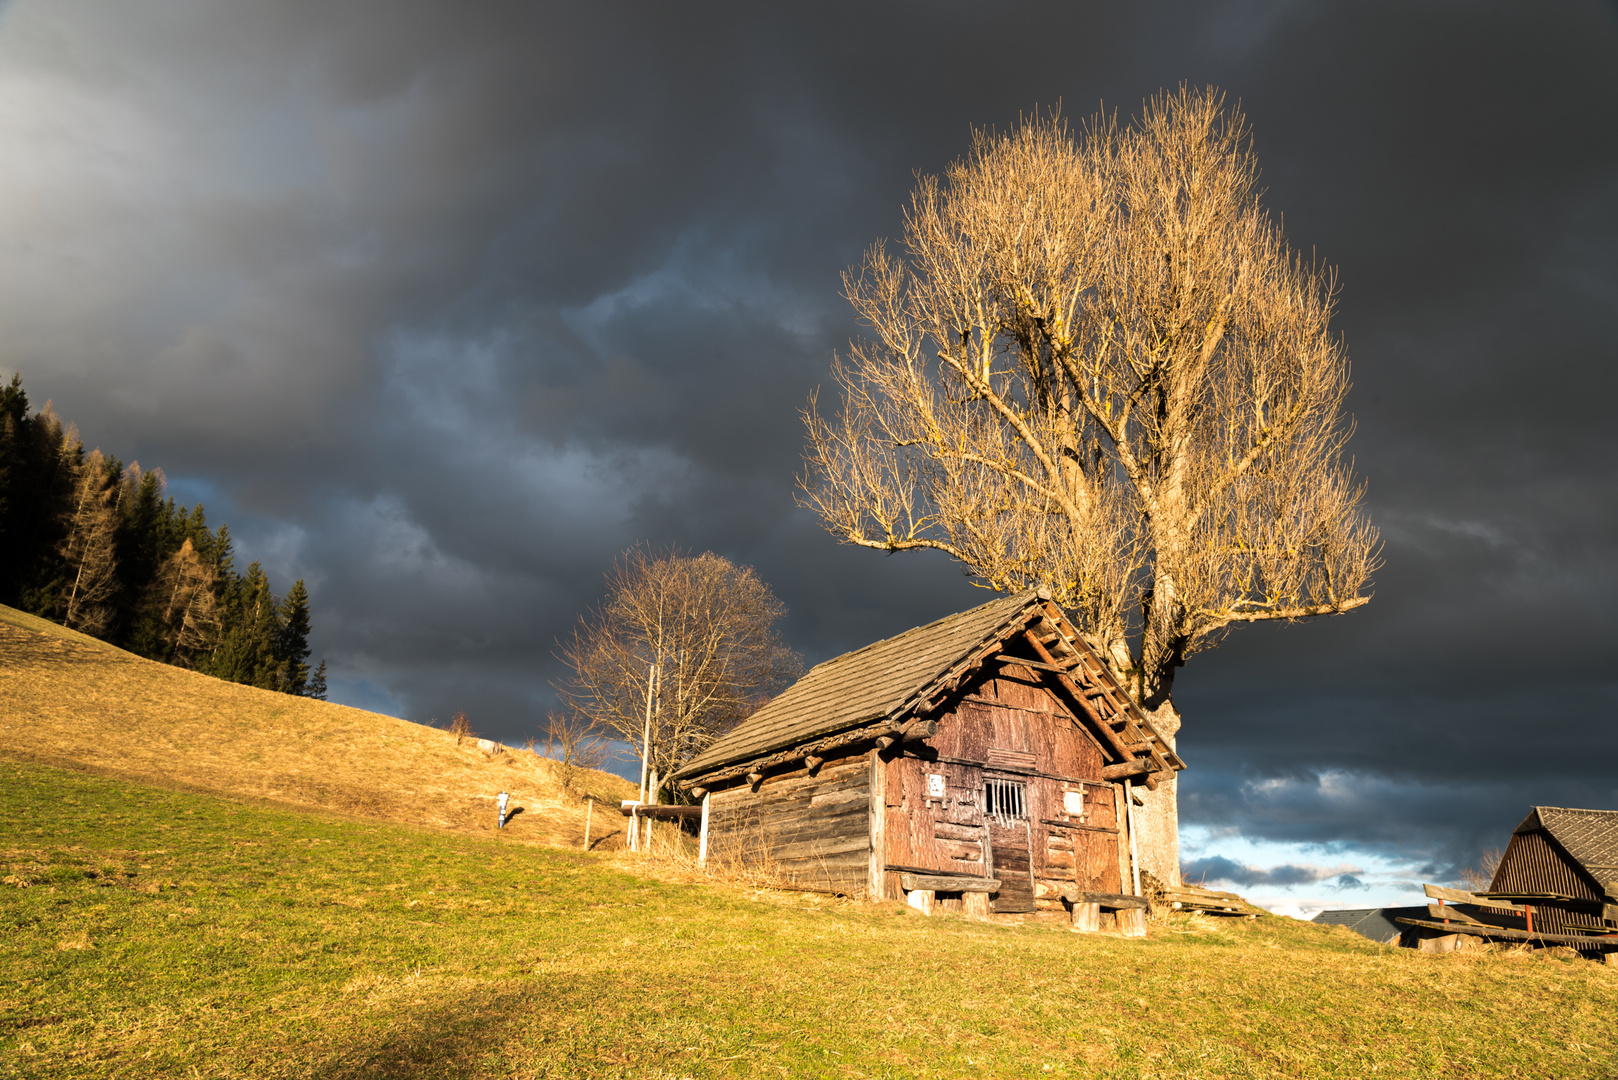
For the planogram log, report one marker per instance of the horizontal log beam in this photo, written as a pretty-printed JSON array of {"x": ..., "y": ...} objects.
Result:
[
  {"x": 659, "y": 811},
  {"x": 1126, "y": 770},
  {"x": 946, "y": 883},
  {"x": 1106, "y": 901},
  {"x": 1037, "y": 665},
  {"x": 1193, "y": 892},
  {"x": 1077, "y": 826}
]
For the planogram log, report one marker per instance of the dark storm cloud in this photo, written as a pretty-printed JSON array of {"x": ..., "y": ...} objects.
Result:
[{"x": 443, "y": 306}]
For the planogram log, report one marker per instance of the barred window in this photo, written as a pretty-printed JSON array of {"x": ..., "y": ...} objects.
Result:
[{"x": 1005, "y": 801}]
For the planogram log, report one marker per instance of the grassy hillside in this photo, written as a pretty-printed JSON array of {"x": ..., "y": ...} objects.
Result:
[
  {"x": 70, "y": 700},
  {"x": 148, "y": 932},
  {"x": 342, "y": 907}
]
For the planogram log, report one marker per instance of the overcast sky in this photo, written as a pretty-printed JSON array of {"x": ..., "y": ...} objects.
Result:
[{"x": 441, "y": 306}]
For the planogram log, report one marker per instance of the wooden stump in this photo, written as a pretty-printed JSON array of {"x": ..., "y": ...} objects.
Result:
[
  {"x": 1610, "y": 958},
  {"x": 1087, "y": 918},
  {"x": 1439, "y": 943},
  {"x": 921, "y": 900},
  {"x": 1132, "y": 922},
  {"x": 975, "y": 905}
]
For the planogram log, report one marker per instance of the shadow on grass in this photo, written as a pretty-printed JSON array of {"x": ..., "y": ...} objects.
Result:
[
  {"x": 536, "y": 1027},
  {"x": 446, "y": 1038}
]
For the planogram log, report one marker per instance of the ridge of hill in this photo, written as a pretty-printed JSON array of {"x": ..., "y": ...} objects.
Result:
[{"x": 69, "y": 700}]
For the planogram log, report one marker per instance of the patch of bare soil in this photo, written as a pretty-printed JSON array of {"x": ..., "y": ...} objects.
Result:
[{"x": 70, "y": 700}]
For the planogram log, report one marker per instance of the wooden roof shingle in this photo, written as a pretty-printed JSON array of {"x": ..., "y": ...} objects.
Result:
[
  {"x": 1590, "y": 836},
  {"x": 864, "y": 685}
]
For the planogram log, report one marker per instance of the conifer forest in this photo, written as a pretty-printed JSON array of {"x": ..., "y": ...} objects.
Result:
[{"x": 93, "y": 544}]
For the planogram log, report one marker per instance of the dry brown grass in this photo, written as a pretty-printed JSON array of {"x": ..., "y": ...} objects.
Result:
[{"x": 72, "y": 701}]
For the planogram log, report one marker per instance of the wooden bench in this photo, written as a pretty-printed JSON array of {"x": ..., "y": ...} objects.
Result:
[
  {"x": 921, "y": 890},
  {"x": 1130, "y": 911}
]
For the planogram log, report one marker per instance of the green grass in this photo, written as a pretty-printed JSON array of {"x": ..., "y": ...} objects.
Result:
[{"x": 145, "y": 932}]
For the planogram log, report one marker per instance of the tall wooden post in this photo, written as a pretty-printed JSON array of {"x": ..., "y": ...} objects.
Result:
[
  {"x": 646, "y": 735},
  {"x": 1122, "y": 847},
  {"x": 1134, "y": 852},
  {"x": 702, "y": 841},
  {"x": 589, "y": 809},
  {"x": 876, "y": 876}
]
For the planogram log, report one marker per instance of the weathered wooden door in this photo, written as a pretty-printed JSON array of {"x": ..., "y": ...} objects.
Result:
[{"x": 1005, "y": 817}]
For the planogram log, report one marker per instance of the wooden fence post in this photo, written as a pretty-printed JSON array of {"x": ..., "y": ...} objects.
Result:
[
  {"x": 589, "y": 808},
  {"x": 702, "y": 842}
]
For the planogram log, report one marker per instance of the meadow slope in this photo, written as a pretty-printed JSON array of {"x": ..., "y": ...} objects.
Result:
[
  {"x": 69, "y": 700},
  {"x": 147, "y": 932}
]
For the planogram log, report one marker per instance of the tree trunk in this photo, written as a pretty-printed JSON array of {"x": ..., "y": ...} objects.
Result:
[{"x": 1157, "y": 819}]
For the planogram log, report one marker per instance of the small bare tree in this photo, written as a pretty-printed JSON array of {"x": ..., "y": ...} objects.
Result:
[
  {"x": 460, "y": 726},
  {"x": 571, "y": 739},
  {"x": 1479, "y": 877},
  {"x": 678, "y": 652},
  {"x": 1098, "y": 367}
]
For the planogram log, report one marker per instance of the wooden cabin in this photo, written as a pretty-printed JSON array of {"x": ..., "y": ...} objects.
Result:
[
  {"x": 1556, "y": 885},
  {"x": 1564, "y": 864},
  {"x": 990, "y": 754}
]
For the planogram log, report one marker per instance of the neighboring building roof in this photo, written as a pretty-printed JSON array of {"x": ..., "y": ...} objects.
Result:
[
  {"x": 892, "y": 678},
  {"x": 1374, "y": 923},
  {"x": 1590, "y": 836}
]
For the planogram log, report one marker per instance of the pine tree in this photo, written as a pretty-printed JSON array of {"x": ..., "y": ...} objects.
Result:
[
  {"x": 146, "y": 540},
  {"x": 317, "y": 683},
  {"x": 13, "y": 421},
  {"x": 252, "y": 634},
  {"x": 41, "y": 501},
  {"x": 294, "y": 650}
]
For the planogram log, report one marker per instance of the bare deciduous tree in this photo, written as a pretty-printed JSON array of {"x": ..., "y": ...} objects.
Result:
[
  {"x": 1479, "y": 877},
  {"x": 460, "y": 726},
  {"x": 191, "y": 617},
  {"x": 572, "y": 740},
  {"x": 89, "y": 544},
  {"x": 1098, "y": 367},
  {"x": 682, "y": 645}
]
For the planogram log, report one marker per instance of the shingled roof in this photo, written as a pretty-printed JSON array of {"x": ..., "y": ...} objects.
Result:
[
  {"x": 864, "y": 685},
  {"x": 1590, "y": 836}
]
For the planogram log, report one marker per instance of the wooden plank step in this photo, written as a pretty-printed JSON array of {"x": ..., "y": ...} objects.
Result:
[
  {"x": 1461, "y": 896},
  {"x": 1579, "y": 941}
]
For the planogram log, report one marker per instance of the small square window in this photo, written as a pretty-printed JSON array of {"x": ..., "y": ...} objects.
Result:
[
  {"x": 1073, "y": 802},
  {"x": 1005, "y": 801},
  {"x": 935, "y": 785}
]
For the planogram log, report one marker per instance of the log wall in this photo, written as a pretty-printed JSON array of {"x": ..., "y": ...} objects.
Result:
[
  {"x": 810, "y": 830},
  {"x": 1016, "y": 730},
  {"x": 1531, "y": 863}
]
